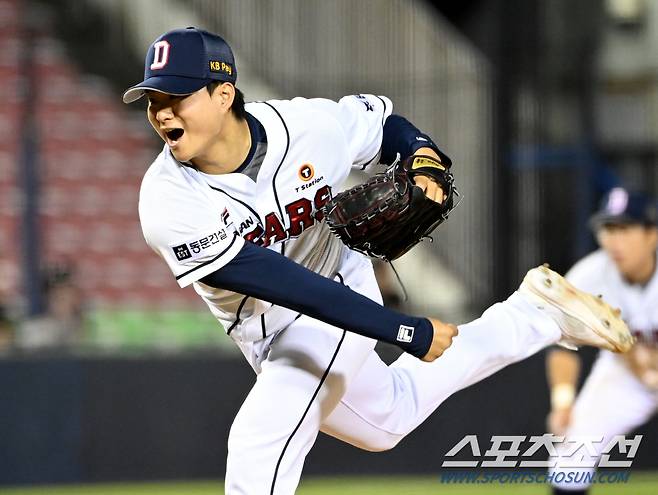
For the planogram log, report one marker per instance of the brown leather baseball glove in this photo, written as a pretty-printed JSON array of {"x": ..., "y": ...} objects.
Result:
[{"x": 388, "y": 215}]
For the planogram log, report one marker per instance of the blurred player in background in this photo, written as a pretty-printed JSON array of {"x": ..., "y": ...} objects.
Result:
[
  {"x": 63, "y": 322},
  {"x": 6, "y": 330},
  {"x": 233, "y": 204},
  {"x": 621, "y": 392}
]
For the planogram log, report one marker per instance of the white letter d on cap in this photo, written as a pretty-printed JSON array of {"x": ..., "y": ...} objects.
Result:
[{"x": 160, "y": 55}]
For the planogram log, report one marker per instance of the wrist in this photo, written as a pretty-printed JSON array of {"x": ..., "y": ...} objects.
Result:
[
  {"x": 431, "y": 151},
  {"x": 427, "y": 151},
  {"x": 416, "y": 336},
  {"x": 563, "y": 395}
]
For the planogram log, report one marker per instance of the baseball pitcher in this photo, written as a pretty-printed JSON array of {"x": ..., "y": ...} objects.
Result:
[{"x": 244, "y": 203}]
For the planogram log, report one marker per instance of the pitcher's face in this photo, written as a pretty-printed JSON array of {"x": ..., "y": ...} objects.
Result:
[{"x": 190, "y": 124}]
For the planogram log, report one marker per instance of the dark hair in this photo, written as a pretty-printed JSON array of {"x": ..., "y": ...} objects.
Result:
[{"x": 238, "y": 101}]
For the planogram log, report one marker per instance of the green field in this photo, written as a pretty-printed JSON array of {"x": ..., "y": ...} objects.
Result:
[{"x": 639, "y": 484}]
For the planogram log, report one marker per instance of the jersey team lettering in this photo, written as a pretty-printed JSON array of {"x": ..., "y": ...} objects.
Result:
[
  {"x": 301, "y": 216},
  {"x": 194, "y": 249}
]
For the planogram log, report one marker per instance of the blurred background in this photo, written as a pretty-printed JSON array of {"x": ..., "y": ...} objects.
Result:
[{"x": 109, "y": 371}]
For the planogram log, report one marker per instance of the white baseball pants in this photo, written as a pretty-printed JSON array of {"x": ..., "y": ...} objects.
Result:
[{"x": 316, "y": 377}]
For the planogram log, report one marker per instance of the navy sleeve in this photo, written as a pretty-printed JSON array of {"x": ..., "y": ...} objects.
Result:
[
  {"x": 261, "y": 273},
  {"x": 401, "y": 136}
]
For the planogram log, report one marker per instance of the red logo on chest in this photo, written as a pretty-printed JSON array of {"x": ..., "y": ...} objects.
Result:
[{"x": 302, "y": 214}]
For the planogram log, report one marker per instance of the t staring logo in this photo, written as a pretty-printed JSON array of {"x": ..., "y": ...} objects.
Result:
[
  {"x": 405, "y": 334},
  {"x": 306, "y": 172}
]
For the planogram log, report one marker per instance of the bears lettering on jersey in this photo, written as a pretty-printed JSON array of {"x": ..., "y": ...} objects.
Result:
[{"x": 300, "y": 215}]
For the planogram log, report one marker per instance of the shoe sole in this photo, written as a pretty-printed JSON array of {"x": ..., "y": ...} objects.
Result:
[{"x": 591, "y": 311}]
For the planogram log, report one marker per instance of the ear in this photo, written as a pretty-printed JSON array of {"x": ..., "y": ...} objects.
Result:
[
  {"x": 653, "y": 235},
  {"x": 223, "y": 96}
]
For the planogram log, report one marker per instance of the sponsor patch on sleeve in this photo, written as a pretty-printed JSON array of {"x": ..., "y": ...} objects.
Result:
[{"x": 198, "y": 247}]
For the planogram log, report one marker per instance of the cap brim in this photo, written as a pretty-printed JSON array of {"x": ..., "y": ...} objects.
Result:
[
  {"x": 598, "y": 220},
  {"x": 171, "y": 85}
]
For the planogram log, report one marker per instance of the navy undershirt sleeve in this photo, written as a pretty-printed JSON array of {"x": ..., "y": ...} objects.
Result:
[
  {"x": 401, "y": 136},
  {"x": 261, "y": 273}
]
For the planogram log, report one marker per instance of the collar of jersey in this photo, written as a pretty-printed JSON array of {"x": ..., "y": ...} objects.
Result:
[{"x": 258, "y": 135}]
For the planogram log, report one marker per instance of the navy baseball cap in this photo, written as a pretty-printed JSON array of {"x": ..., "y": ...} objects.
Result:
[
  {"x": 183, "y": 61},
  {"x": 620, "y": 206}
]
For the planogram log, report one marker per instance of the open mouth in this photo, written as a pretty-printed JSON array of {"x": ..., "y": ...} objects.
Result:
[{"x": 174, "y": 134}]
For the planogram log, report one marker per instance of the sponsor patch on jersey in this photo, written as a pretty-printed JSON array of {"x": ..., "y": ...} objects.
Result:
[
  {"x": 422, "y": 162},
  {"x": 306, "y": 172},
  {"x": 182, "y": 252},
  {"x": 312, "y": 183},
  {"x": 405, "y": 334},
  {"x": 197, "y": 248}
]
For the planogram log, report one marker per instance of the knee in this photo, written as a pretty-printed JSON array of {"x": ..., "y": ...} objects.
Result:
[{"x": 382, "y": 443}]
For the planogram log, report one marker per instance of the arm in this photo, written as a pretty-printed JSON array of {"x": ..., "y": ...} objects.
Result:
[
  {"x": 401, "y": 138},
  {"x": 291, "y": 285},
  {"x": 373, "y": 134},
  {"x": 562, "y": 370}
]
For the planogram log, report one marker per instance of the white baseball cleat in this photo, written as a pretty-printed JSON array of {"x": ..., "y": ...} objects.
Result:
[{"x": 583, "y": 318}]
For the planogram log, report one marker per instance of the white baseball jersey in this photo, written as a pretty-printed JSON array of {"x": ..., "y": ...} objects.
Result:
[
  {"x": 330, "y": 379},
  {"x": 198, "y": 222},
  {"x": 597, "y": 274}
]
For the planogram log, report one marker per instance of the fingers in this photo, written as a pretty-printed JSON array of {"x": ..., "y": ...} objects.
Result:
[
  {"x": 443, "y": 335},
  {"x": 431, "y": 189}
]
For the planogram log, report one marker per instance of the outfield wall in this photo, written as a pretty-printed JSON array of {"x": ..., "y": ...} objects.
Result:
[{"x": 71, "y": 419}]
